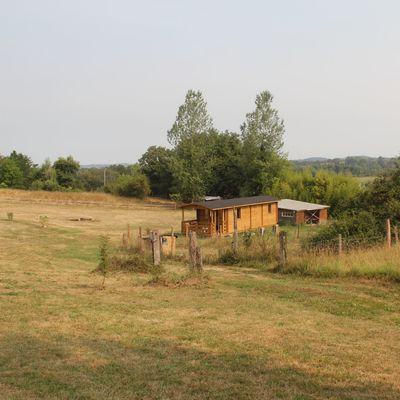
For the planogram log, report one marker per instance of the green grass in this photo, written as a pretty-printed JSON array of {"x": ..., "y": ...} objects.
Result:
[{"x": 243, "y": 333}]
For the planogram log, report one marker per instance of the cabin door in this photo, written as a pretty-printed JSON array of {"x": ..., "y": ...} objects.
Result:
[{"x": 221, "y": 221}]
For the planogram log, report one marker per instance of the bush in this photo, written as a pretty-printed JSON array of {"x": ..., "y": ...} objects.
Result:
[
  {"x": 130, "y": 186},
  {"x": 361, "y": 226}
]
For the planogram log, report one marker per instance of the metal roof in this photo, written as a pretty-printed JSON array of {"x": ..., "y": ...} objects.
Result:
[
  {"x": 294, "y": 205},
  {"x": 229, "y": 203}
]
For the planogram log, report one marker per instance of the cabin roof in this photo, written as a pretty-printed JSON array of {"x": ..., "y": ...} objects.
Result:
[
  {"x": 230, "y": 203},
  {"x": 295, "y": 205}
]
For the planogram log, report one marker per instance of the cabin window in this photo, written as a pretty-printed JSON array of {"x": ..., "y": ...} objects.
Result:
[
  {"x": 238, "y": 213},
  {"x": 269, "y": 208},
  {"x": 287, "y": 214}
]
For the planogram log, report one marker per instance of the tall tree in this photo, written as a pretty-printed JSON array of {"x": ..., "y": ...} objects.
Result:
[
  {"x": 262, "y": 137},
  {"x": 156, "y": 164},
  {"x": 66, "y": 170},
  {"x": 192, "y": 118}
]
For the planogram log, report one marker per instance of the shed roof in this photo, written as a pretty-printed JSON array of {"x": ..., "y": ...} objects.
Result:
[
  {"x": 229, "y": 203},
  {"x": 294, "y": 205}
]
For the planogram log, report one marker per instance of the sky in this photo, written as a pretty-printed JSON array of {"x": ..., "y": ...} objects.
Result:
[{"x": 103, "y": 80}]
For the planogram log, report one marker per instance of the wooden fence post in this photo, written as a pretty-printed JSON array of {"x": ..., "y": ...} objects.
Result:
[
  {"x": 128, "y": 235},
  {"x": 124, "y": 241},
  {"x": 235, "y": 232},
  {"x": 192, "y": 250},
  {"x": 396, "y": 235},
  {"x": 282, "y": 249},
  {"x": 388, "y": 233},
  {"x": 155, "y": 245},
  {"x": 340, "y": 244},
  {"x": 298, "y": 231},
  {"x": 187, "y": 229},
  {"x": 195, "y": 254},
  {"x": 140, "y": 239},
  {"x": 199, "y": 260}
]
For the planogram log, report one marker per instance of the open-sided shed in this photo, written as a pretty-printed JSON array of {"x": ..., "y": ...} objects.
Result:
[
  {"x": 300, "y": 212},
  {"x": 216, "y": 216}
]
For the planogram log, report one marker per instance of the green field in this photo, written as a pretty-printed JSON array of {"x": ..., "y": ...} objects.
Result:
[{"x": 240, "y": 334}]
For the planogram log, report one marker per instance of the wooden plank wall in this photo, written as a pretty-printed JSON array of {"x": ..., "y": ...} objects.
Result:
[{"x": 253, "y": 217}]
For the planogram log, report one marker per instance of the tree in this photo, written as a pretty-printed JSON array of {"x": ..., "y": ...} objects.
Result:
[
  {"x": 10, "y": 174},
  {"x": 136, "y": 185},
  {"x": 45, "y": 178},
  {"x": 262, "y": 137},
  {"x": 156, "y": 164},
  {"x": 226, "y": 177},
  {"x": 192, "y": 118},
  {"x": 26, "y": 166},
  {"x": 66, "y": 170}
]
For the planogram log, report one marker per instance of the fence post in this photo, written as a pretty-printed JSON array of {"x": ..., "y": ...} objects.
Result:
[
  {"x": 235, "y": 232},
  {"x": 140, "y": 238},
  {"x": 187, "y": 229},
  {"x": 192, "y": 250},
  {"x": 340, "y": 244},
  {"x": 199, "y": 260},
  {"x": 155, "y": 245},
  {"x": 128, "y": 235},
  {"x": 124, "y": 241},
  {"x": 388, "y": 233},
  {"x": 298, "y": 231},
  {"x": 396, "y": 235},
  {"x": 282, "y": 249}
]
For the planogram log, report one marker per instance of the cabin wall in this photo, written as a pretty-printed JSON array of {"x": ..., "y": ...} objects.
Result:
[{"x": 253, "y": 217}]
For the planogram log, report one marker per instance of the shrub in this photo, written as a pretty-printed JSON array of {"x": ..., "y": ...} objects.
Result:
[
  {"x": 361, "y": 226},
  {"x": 130, "y": 186}
]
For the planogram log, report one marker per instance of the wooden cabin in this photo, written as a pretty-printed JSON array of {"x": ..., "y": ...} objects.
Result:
[
  {"x": 216, "y": 216},
  {"x": 295, "y": 212}
]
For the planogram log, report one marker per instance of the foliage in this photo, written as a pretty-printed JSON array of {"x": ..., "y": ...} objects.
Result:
[
  {"x": 10, "y": 174},
  {"x": 336, "y": 190},
  {"x": 262, "y": 137},
  {"x": 354, "y": 165},
  {"x": 362, "y": 226},
  {"x": 382, "y": 197},
  {"x": 191, "y": 120},
  {"x": 130, "y": 186},
  {"x": 156, "y": 163},
  {"x": 66, "y": 171}
]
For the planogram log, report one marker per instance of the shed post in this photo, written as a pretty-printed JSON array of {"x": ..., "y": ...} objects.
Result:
[
  {"x": 235, "y": 232},
  {"x": 388, "y": 233},
  {"x": 396, "y": 235}
]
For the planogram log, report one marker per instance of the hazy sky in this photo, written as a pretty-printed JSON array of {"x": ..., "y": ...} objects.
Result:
[{"x": 102, "y": 80}]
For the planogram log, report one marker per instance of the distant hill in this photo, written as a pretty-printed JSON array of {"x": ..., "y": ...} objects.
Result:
[{"x": 355, "y": 165}]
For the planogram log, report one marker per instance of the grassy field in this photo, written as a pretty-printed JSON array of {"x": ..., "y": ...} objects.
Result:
[{"x": 242, "y": 334}]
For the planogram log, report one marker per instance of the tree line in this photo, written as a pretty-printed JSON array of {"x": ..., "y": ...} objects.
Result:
[{"x": 200, "y": 160}]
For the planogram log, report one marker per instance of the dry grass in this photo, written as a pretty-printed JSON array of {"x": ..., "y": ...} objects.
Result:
[
  {"x": 375, "y": 262},
  {"x": 242, "y": 334}
]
